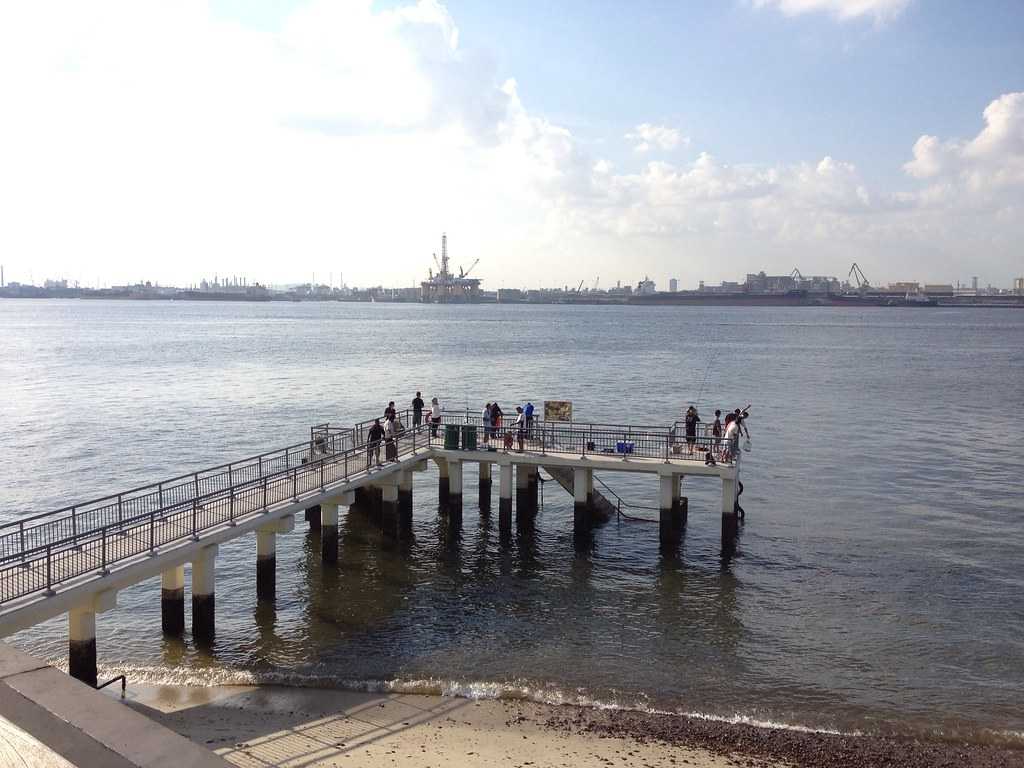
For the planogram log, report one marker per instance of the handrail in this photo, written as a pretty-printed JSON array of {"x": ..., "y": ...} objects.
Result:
[
  {"x": 122, "y": 678},
  {"x": 89, "y": 540}
]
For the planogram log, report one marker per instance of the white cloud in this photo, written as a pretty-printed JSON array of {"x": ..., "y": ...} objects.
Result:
[
  {"x": 647, "y": 136},
  {"x": 152, "y": 140},
  {"x": 989, "y": 167},
  {"x": 843, "y": 10}
]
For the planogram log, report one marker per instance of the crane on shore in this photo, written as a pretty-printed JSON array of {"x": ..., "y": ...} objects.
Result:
[{"x": 858, "y": 274}]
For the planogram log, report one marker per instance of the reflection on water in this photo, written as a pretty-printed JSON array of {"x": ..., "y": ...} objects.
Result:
[{"x": 874, "y": 584}]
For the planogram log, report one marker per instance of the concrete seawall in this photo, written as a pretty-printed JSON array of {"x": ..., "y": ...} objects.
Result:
[{"x": 50, "y": 720}]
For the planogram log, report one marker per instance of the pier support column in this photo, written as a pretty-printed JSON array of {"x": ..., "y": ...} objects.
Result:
[
  {"x": 443, "y": 484},
  {"x": 485, "y": 486},
  {"x": 455, "y": 490},
  {"x": 266, "y": 556},
  {"x": 505, "y": 498},
  {"x": 203, "y": 595},
  {"x": 405, "y": 499},
  {"x": 729, "y": 517},
  {"x": 524, "y": 508},
  {"x": 82, "y": 635},
  {"x": 82, "y": 644},
  {"x": 313, "y": 517},
  {"x": 532, "y": 487},
  {"x": 172, "y": 601},
  {"x": 582, "y": 487},
  {"x": 671, "y": 522},
  {"x": 329, "y": 531},
  {"x": 389, "y": 512},
  {"x": 266, "y": 564}
]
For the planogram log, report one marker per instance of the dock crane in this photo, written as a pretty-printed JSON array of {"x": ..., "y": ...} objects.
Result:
[
  {"x": 465, "y": 273},
  {"x": 579, "y": 288},
  {"x": 858, "y": 274},
  {"x": 795, "y": 274}
]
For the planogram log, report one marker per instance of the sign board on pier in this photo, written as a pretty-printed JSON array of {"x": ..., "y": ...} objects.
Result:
[{"x": 558, "y": 410}]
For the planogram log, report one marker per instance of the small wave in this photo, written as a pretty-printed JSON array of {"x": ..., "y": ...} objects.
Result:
[{"x": 478, "y": 690}]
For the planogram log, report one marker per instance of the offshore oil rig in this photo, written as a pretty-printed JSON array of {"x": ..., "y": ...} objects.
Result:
[{"x": 444, "y": 287}]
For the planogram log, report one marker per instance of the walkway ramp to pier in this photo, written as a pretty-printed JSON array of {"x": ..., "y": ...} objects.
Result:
[{"x": 600, "y": 506}]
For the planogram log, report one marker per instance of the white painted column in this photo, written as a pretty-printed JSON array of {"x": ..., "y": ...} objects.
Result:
[
  {"x": 82, "y": 644},
  {"x": 203, "y": 601},
  {"x": 455, "y": 489},
  {"x": 505, "y": 498},
  {"x": 580, "y": 493},
  {"x": 172, "y": 601},
  {"x": 329, "y": 531}
]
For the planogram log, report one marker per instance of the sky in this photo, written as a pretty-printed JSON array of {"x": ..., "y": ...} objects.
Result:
[{"x": 555, "y": 142}]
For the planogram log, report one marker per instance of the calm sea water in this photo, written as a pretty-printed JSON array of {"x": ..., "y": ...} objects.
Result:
[{"x": 877, "y": 584}]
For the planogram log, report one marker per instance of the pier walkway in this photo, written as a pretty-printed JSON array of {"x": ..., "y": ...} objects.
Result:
[{"x": 74, "y": 560}]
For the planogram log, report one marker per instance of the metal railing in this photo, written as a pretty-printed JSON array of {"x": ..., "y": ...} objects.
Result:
[
  {"x": 35, "y": 531},
  {"x": 51, "y": 559},
  {"x": 42, "y": 551}
]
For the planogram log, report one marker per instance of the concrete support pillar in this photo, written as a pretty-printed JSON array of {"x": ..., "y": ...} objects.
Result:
[
  {"x": 505, "y": 498},
  {"x": 455, "y": 490},
  {"x": 729, "y": 516},
  {"x": 671, "y": 519},
  {"x": 582, "y": 485},
  {"x": 443, "y": 483},
  {"x": 313, "y": 517},
  {"x": 172, "y": 601},
  {"x": 389, "y": 515},
  {"x": 203, "y": 595},
  {"x": 82, "y": 644},
  {"x": 329, "y": 531},
  {"x": 524, "y": 501},
  {"x": 405, "y": 499},
  {"x": 522, "y": 488},
  {"x": 266, "y": 563},
  {"x": 485, "y": 486},
  {"x": 532, "y": 487}
]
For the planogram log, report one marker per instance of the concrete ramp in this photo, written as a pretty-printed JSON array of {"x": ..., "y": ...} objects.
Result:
[{"x": 602, "y": 508}]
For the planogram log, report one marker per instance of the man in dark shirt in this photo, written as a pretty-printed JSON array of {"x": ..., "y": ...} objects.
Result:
[
  {"x": 373, "y": 438},
  {"x": 417, "y": 410}
]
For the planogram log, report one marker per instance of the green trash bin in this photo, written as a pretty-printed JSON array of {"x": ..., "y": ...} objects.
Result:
[
  {"x": 451, "y": 437},
  {"x": 468, "y": 437}
]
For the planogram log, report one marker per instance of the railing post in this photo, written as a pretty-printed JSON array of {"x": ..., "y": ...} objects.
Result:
[
  {"x": 74, "y": 524},
  {"x": 103, "y": 549},
  {"x": 264, "y": 494},
  {"x": 152, "y": 528},
  {"x": 287, "y": 463},
  {"x": 322, "y": 462},
  {"x": 160, "y": 495},
  {"x": 230, "y": 476},
  {"x": 231, "y": 506},
  {"x": 195, "y": 510},
  {"x": 21, "y": 536},
  {"x": 295, "y": 485},
  {"x": 49, "y": 570},
  {"x": 119, "y": 513},
  {"x": 260, "y": 460},
  {"x": 195, "y": 484}
]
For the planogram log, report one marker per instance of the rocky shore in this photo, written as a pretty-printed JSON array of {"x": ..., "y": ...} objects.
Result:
[{"x": 757, "y": 746}]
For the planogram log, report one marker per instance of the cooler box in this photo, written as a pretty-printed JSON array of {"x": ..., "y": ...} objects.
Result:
[
  {"x": 451, "y": 437},
  {"x": 468, "y": 437}
]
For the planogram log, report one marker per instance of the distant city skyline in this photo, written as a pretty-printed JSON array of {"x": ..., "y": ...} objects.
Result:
[{"x": 696, "y": 141}]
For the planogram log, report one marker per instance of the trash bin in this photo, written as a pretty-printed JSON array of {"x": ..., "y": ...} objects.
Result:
[
  {"x": 468, "y": 437},
  {"x": 451, "y": 437}
]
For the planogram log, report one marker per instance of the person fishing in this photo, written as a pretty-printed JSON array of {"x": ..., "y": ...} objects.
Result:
[
  {"x": 373, "y": 438},
  {"x": 692, "y": 419}
]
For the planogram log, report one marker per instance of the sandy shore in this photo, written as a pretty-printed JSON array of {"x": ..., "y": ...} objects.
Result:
[{"x": 310, "y": 727}]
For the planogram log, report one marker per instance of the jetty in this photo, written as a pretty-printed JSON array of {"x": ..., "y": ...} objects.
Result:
[{"x": 76, "y": 559}]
